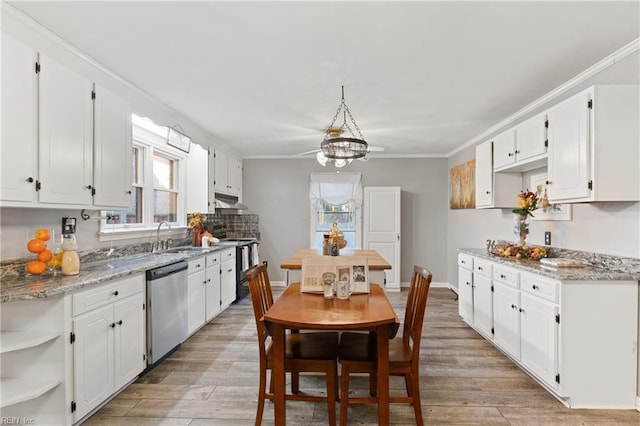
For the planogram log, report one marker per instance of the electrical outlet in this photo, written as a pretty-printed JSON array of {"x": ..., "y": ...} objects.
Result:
[{"x": 547, "y": 238}]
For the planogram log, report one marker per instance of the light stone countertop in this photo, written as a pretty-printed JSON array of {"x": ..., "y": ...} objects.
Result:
[
  {"x": 604, "y": 267},
  {"x": 15, "y": 287}
]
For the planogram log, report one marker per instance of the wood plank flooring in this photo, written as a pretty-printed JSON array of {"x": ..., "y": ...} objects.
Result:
[{"x": 213, "y": 378}]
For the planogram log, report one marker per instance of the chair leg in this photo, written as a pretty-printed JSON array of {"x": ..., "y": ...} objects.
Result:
[
  {"x": 344, "y": 394},
  {"x": 295, "y": 382},
  {"x": 407, "y": 384},
  {"x": 261, "y": 395},
  {"x": 415, "y": 395},
  {"x": 332, "y": 383},
  {"x": 373, "y": 384}
]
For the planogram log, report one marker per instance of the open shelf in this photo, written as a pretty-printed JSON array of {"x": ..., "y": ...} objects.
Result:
[
  {"x": 19, "y": 390},
  {"x": 17, "y": 340}
]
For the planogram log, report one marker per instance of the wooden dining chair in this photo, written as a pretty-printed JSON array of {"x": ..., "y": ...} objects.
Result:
[
  {"x": 357, "y": 352},
  {"x": 304, "y": 352}
]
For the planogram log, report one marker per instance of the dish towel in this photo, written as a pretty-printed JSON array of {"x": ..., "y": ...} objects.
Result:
[
  {"x": 245, "y": 258},
  {"x": 254, "y": 254}
]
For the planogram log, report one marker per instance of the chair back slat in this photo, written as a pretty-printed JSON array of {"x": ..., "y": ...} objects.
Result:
[
  {"x": 415, "y": 309},
  {"x": 262, "y": 299}
]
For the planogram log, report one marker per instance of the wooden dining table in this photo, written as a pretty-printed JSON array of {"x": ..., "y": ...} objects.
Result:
[{"x": 311, "y": 311}]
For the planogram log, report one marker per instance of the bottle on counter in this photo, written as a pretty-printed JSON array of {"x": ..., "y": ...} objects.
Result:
[{"x": 70, "y": 258}]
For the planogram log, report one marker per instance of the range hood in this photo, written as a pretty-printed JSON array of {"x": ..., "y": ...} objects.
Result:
[{"x": 228, "y": 202}]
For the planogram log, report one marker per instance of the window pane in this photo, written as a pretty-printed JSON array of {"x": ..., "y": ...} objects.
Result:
[
  {"x": 165, "y": 206},
  {"x": 133, "y": 215},
  {"x": 136, "y": 172},
  {"x": 163, "y": 172},
  {"x": 342, "y": 214}
]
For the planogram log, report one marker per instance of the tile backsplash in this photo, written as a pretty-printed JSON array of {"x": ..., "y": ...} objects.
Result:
[{"x": 233, "y": 225}]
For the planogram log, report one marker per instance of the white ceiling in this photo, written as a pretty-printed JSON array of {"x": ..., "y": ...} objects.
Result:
[{"x": 421, "y": 78}]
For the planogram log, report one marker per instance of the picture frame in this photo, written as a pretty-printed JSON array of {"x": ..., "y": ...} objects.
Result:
[
  {"x": 462, "y": 181},
  {"x": 179, "y": 140},
  {"x": 351, "y": 269},
  {"x": 550, "y": 211}
]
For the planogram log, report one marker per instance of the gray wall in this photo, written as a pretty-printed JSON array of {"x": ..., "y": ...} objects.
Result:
[{"x": 278, "y": 191}]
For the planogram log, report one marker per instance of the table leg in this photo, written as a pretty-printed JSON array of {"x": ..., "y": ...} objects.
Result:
[
  {"x": 383, "y": 375},
  {"x": 278, "y": 372}
]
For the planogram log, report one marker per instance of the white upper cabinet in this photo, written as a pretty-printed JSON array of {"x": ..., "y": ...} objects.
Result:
[
  {"x": 494, "y": 190},
  {"x": 112, "y": 149},
  {"x": 66, "y": 135},
  {"x": 197, "y": 179},
  {"x": 228, "y": 174},
  {"x": 522, "y": 147},
  {"x": 504, "y": 149},
  {"x": 593, "y": 146},
  {"x": 19, "y": 167}
]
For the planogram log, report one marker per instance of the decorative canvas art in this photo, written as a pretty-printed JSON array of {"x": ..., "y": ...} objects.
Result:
[
  {"x": 463, "y": 186},
  {"x": 546, "y": 210}
]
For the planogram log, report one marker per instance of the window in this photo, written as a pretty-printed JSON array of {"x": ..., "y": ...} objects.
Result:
[
  {"x": 157, "y": 176},
  {"x": 335, "y": 198}
]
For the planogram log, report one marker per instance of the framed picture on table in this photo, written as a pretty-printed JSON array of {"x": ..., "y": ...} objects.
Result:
[
  {"x": 546, "y": 210},
  {"x": 351, "y": 269}
]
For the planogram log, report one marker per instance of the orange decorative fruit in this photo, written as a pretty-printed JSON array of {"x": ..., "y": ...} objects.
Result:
[
  {"x": 43, "y": 234},
  {"x": 45, "y": 256},
  {"x": 36, "y": 267},
  {"x": 36, "y": 246}
]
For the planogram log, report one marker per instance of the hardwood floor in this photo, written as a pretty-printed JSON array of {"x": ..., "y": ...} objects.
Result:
[{"x": 213, "y": 378}]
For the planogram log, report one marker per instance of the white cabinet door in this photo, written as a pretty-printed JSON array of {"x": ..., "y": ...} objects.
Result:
[
  {"x": 93, "y": 378},
  {"x": 66, "y": 135},
  {"x": 539, "y": 337},
  {"x": 484, "y": 174},
  {"x": 129, "y": 346},
  {"x": 382, "y": 229},
  {"x": 569, "y": 154},
  {"x": 227, "y": 282},
  {"x": 211, "y": 178},
  {"x": 531, "y": 137},
  {"x": 234, "y": 177},
  {"x": 196, "y": 299},
  {"x": 506, "y": 318},
  {"x": 212, "y": 276},
  {"x": 482, "y": 304},
  {"x": 197, "y": 179},
  {"x": 221, "y": 169},
  {"x": 504, "y": 149},
  {"x": 18, "y": 171},
  {"x": 112, "y": 151},
  {"x": 465, "y": 294}
]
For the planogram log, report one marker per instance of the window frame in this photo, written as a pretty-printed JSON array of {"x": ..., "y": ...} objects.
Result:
[{"x": 150, "y": 138}]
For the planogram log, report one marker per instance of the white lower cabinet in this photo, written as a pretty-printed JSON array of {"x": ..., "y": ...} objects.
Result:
[
  {"x": 482, "y": 297},
  {"x": 196, "y": 292},
  {"x": 576, "y": 338},
  {"x": 227, "y": 277},
  {"x": 212, "y": 277},
  {"x": 108, "y": 340}
]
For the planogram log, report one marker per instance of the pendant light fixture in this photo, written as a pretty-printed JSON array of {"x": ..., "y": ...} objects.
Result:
[{"x": 340, "y": 144}]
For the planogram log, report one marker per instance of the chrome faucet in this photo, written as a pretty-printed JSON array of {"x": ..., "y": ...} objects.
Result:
[{"x": 161, "y": 245}]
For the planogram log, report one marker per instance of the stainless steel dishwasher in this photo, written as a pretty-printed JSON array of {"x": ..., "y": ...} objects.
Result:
[{"x": 167, "y": 315}]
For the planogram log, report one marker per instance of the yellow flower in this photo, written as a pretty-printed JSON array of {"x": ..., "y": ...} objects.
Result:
[{"x": 196, "y": 220}]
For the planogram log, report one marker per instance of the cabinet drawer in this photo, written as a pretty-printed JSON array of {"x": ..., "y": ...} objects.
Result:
[
  {"x": 227, "y": 254},
  {"x": 506, "y": 275},
  {"x": 112, "y": 291},
  {"x": 482, "y": 267},
  {"x": 196, "y": 265},
  {"x": 212, "y": 259},
  {"x": 540, "y": 286},
  {"x": 465, "y": 261}
]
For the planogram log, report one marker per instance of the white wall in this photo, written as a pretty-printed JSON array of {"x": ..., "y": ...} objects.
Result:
[{"x": 278, "y": 191}]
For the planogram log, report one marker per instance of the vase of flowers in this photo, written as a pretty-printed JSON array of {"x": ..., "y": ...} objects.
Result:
[
  {"x": 196, "y": 224},
  {"x": 527, "y": 203}
]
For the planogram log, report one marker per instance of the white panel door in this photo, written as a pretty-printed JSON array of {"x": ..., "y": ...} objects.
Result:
[
  {"x": 382, "y": 228},
  {"x": 506, "y": 319},
  {"x": 129, "y": 318},
  {"x": 484, "y": 174},
  {"x": 482, "y": 304},
  {"x": 18, "y": 158},
  {"x": 539, "y": 337}
]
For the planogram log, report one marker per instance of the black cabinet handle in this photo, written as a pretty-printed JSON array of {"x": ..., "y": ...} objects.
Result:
[
  {"x": 115, "y": 293},
  {"x": 521, "y": 310},
  {"x": 513, "y": 306},
  {"x": 120, "y": 322},
  {"x": 510, "y": 154},
  {"x": 89, "y": 186},
  {"x": 128, "y": 192},
  {"x": 30, "y": 179},
  {"x": 488, "y": 192},
  {"x": 517, "y": 152},
  {"x": 480, "y": 268},
  {"x": 548, "y": 182},
  {"x": 503, "y": 276},
  {"x": 112, "y": 325},
  {"x": 535, "y": 287}
]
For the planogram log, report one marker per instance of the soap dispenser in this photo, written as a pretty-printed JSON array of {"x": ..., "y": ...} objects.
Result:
[{"x": 70, "y": 258}]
